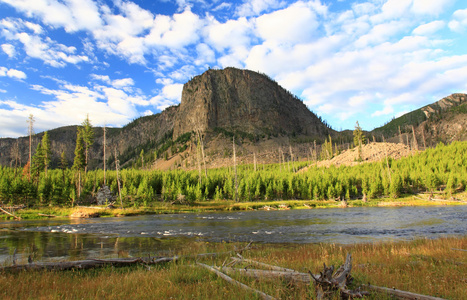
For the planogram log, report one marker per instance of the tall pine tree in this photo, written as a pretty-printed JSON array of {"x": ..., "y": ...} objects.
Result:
[
  {"x": 80, "y": 160},
  {"x": 46, "y": 151},
  {"x": 88, "y": 139}
]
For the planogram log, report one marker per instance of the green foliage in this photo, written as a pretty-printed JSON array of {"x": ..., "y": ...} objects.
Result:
[
  {"x": 80, "y": 160},
  {"x": 430, "y": 170}
]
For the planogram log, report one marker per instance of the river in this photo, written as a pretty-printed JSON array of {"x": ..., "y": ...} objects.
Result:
[{"x": 50, "y": 240}]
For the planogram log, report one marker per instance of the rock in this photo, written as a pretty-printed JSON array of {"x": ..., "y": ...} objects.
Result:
[{"x": 104, "y": 196}]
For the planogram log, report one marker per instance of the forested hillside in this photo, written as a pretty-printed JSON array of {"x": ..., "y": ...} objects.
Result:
[{"x": 442, "y": 168}]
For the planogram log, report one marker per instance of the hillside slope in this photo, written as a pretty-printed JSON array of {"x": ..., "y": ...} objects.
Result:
[
  {"x": 219, "y": 104},
  {"x": 442, "y": 121}
]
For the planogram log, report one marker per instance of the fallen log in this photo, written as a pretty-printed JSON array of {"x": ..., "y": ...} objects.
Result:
[
  {"x": 256, "y": 273},
  {"x": 45, "y": 215},
  {"x": 271, "y": 267},
  {"x": 8, "y": 213},
  {"x": 399, "y": 294},
  {"x": 86, "y": 264},
  {"x": 237, "y": 283}
]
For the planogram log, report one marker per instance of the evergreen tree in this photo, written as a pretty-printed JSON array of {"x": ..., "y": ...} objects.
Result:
[
  {"x": 38, "y": 161},
  {"x": 88, "y": 139},
  {"x": 358, "y": 140},
  {"x": 80, "y": 159},
  {"x": 46, "y": 151}
]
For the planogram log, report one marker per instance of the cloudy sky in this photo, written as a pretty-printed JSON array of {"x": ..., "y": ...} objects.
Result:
[{"x": 117, "y": 60}]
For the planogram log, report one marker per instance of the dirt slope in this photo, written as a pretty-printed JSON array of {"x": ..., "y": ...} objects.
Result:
[{"x": 370, "y": 153}]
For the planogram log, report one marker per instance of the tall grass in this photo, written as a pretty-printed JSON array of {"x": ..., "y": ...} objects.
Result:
[{"x": 430, "y": 267}]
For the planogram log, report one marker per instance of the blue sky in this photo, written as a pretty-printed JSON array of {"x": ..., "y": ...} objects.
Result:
[{"x": 349, "y": 61}]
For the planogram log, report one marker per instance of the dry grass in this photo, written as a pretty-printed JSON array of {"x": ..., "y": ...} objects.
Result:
[{"x": 429, "y": 267}]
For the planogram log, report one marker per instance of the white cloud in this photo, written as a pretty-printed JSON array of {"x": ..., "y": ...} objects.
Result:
[
  {"x": 255, "y": 7},
  {"x": 9, "y": 49},
  {"x": 72, "y": 15},
  {"x": 174, "y": 32},
  {"x": 429, "y": 28},
  {"x": 430, "y": 7},
  {"x": 387, "y": 110},
  {"x": 122, "y": 83},
  {"x": 296, "y": 23},
  {"x": 459, "y": 21},
  {"x": 230, "y": 34},
  {"x": 169, "y": 96},
  {"x": 46, "y": 49},
  {"x": 12, "y": 73}
]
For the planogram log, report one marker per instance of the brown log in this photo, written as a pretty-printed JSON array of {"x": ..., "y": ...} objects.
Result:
[
  {"x": 270, "y": 267},
  {"x": 44, "y": 215},
  {"x": 86, "y": 264},
  {"x": 236, "y": 283},
  {"x": 8, "y": 213},
  {"x": 255, "y": 273},
  {"x": 400, "y": 294}
]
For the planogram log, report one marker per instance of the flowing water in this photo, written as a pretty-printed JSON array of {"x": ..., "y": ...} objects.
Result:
[{"x": 50, "y": 240}]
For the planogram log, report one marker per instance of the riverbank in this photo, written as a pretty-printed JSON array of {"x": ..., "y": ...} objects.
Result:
[
  {"x": 434, "y": 267},
  {"x": 228, "y": 205}
]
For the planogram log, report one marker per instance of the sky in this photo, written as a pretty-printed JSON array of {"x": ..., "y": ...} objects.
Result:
[{"x": 116, "y": 60}]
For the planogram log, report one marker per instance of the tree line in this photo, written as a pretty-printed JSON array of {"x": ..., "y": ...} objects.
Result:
[{"x": 441, "y": 168}]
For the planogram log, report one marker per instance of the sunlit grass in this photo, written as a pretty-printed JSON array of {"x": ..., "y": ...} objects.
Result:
[{"x": 430, "y": 267}]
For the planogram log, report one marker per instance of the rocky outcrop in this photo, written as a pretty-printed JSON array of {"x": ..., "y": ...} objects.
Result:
[
  {"x": 243, "y": 100},
  {"x": 444, "y": 104}
]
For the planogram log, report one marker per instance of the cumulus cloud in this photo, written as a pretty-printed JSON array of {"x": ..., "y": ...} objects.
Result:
[
  {"x": 37, "y": 46},
  {"x": 169, "y": 96},
  {"x": 296, "y": 23},
  {"x": 459, "y": 21},
  {"x": 429, "y": 28},
  {"x": 256, "y": 7},
  {"x": 71, "y": 15},
  {"x": 12, "y": 73},
  {"x": 9, "y": 50}
]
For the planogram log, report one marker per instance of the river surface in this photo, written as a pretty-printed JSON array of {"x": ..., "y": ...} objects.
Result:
[{"x": 50, "y": 240}]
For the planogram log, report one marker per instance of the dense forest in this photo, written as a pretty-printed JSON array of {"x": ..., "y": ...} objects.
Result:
[{"x": 440, "y": 168}]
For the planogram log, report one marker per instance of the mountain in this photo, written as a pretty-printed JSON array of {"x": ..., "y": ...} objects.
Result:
[
  {"x": 219, "y": 104},
  {"x": 243, "y": 101},
  {"x": 442, "y": 121}
]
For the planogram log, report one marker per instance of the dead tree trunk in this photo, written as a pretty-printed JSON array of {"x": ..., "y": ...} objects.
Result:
[{"x": 327, "y": 283}]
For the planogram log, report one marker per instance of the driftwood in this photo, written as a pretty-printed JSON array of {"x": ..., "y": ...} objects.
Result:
[
  {"x": 271, "y": 267},
  {"x": 255, "y": 273},
  {"x": 8, "y": 213},
  {"x": 236, "y": 283},
  {"x": 86, "y": 264},
  {"x": 45, "y": 215},
  {"x": 400, "y": 294}
]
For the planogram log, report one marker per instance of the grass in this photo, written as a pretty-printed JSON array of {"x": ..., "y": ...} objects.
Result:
[
  {"x": 430, "y": 267},
  {"x": 228, "y": 205}
]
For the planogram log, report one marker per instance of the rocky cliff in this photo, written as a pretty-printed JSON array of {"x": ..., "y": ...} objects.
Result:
[{"x": 245, "y": 101}]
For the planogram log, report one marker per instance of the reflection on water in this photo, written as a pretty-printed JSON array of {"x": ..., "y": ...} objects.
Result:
[{"x": 156, "y": 234}]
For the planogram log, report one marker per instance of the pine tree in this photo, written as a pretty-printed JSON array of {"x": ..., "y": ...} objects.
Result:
[
  {"x": 88, "y": 140},
  {"x": 358, "y": 140},
  {"x": 38, "y": 161},
  {"x": 47, "y": 152},
  {"x": 80, "y": 160}
]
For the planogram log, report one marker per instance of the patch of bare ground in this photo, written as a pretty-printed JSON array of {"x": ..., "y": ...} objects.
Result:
[{"x": 370, "y": 153}]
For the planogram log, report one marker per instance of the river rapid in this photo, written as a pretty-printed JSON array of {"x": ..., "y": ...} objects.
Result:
[{"x": 50, "y": 240}]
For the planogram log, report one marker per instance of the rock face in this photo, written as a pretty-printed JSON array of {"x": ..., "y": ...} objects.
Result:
[
  {"x": 242, "y": 100},
  {"x": 104, "y": 196}
]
